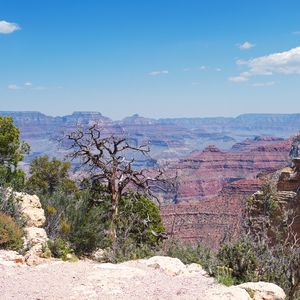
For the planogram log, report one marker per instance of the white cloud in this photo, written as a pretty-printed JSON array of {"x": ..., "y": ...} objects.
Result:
[
  {"x": 238, "y": 78},
  {"x": 13, "y": 87},
  {"x": 157, "y": 73},
  {"x": 203, "y": 68},
  {"x": 26, "y": 86},
  {"x": 6, "y": 27},
  {"x": 287, "y": 62},
  {"x": 263, "y": 84},
  {"x": 296, "y": 32},
  {"x": 246, "y": 46},
  {"x": 218, "y": 69}
]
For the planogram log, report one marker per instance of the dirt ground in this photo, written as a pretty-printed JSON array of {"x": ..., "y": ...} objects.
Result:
[{"x": 89, "y": 280}]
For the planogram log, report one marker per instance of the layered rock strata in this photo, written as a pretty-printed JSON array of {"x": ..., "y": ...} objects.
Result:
[{"x": 214, "y": 185}]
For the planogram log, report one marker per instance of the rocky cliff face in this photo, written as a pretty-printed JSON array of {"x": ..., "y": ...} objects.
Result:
[
  {"x": 288, "y": 191},
  {"x": 219, "y": 218},
  {"x": 214, "y": 185},
  {"x": 205, "y": 174}
]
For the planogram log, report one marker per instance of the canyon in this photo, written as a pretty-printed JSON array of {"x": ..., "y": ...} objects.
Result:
[
  {"x": 218, "y": 161},
  {"x": 214, "y": 185},
  {"x": 169, "y": 139}
]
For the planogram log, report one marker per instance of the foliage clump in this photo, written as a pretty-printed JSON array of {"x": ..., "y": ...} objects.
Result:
[
  {"x": 10, "y": 233},
  {"x": 224, "y": 275},
  {"x": 269, "y": 249},
  {"x": 241, "y": 258},
  {"x": 48, "y": 176},
  {"x": 12, "y": 151},
  {"x": 85, "y": 224},
  {"x": 60, "y": 249}
]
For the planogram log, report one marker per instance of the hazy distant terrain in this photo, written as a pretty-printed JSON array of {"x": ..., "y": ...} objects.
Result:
[{"x": 169, "y": 139}]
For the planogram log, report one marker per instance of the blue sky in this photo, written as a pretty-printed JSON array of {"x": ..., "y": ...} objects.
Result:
[{"x": 158, "y": 58}]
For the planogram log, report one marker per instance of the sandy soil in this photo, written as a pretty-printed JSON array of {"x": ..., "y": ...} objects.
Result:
[{"x": 89, "y": 280}]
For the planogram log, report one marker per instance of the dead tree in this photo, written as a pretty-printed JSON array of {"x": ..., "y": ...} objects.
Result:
[{"x": 109, "y": 159}]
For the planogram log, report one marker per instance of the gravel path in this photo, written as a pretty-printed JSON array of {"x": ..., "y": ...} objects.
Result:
[{"x": 88, "y": 280}]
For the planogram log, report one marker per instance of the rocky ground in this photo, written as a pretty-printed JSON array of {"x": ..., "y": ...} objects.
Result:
[{"x": 155, "y": 278}]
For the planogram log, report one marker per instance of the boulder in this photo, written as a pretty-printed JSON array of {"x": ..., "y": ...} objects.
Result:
[
  {"x": 35, "y": 235},
  {"x": 226, "y": 293},
  {"x": 34, "y": 255},
  {"x": 196, "y": 268},
  {"x": 171, "y": 266},
  {"x": 10, "y": 258},
  {"x": 102, "y": 255},
  {"x": 264, "y": 290},
  {"x": 31, "y": 209}
]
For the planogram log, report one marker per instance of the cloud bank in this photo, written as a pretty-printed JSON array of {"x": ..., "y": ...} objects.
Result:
[
  {"x": 287, "y": 62},
  {"x": 7, "y": 27}
]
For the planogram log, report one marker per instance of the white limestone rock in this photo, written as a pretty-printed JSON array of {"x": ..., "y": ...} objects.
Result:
[
  {"x": 171, "y": 266},
  {"x": 31, "y": 209},
  {"x": 227, "y": 293},
  {"x": 35, "y": 235},
  {"x": 10, "y": 258},
  {"x": 264, "y": 290}
]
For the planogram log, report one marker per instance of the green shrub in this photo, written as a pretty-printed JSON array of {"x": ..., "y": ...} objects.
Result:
[
  {"x": 49, "y": 175},
  {"x": 139, "y": 221},
  {"x": 10, "y": 233},
  {"x": 188, "y": 254},
  {"x": 130, "y": 251},
  {"x": 60, "y": 249},
  {"x": 241, "y": 257},
  {"x": 84, "y": 222},
  {"x": 88, "y": 228},
  {"x": 224, "y": 275}
]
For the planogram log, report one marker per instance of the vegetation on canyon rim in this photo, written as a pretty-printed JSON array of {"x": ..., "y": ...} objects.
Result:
[{"x": 111, "y": 209}]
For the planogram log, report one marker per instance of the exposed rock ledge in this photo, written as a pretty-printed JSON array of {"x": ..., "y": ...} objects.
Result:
[
  {"x": 35, "y": 235},
  {"x": 154, "y": 278}
]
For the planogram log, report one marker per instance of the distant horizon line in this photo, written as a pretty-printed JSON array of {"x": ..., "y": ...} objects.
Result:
[{"x": 137, "y": 115}]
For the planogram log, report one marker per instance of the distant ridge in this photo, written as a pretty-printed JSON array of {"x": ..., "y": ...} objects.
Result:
[
  {"x": 169, "y": 138},
  {"x": 246, "y": 116}
]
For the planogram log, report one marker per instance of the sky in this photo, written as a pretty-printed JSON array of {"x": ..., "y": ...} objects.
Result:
[{"x": 158, "y": 58}]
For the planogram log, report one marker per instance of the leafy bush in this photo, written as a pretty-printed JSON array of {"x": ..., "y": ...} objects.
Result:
[
  {"x": 139, "y": 220},
  {"x": 12, "y": 151},
  {"x": 10, "y": 233},
  {"x": 88, "y": 226},
  {"x": 129, "y": 250},
  {"x": 60, "y": 249},
  {"x": 281, "y": 266},
  {"x": 186, "y": 253},
  {"x": 9, "y": 206},
  {"x": 48, "y": 176},
  {"x": 241, "y": 257},
  {"x": 84, "y": 222},
  {"x": 224, "y": 275}
]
